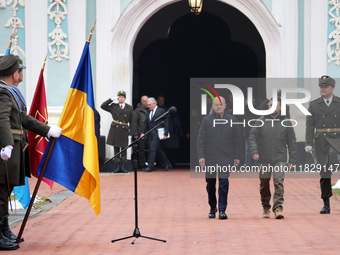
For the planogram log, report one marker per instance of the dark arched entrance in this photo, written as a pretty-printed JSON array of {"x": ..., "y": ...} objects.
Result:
[{"x": 174, "y": 46}]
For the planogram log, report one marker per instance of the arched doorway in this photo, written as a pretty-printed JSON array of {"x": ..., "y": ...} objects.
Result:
[{"x": 173, "y": 46}]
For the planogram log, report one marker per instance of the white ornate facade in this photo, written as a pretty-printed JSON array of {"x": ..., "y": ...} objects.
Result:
[
  {"x": 333, "y": 48},
  {"x": 119, "y": 21},
  {"x": 58, "y": 48},
  {"x": 15, "y": 23}
]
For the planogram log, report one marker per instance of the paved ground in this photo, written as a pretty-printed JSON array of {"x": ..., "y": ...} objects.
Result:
[{"x": 172, "y": 206}]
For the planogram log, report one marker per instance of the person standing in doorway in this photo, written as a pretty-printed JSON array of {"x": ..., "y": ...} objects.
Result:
[
  {"x": 155, "y": 147},
  {"x": 139, "y": 116}
]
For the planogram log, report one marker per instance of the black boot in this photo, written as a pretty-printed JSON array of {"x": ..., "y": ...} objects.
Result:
[
  {"x": 326, "y": 207},
  {"x": 116, "y": 167},
  {"x": 6, "y": 231},
  {"x": 212, "y": 213},
  {"x": 6, "y": 244},
  {"x": 123, "y": 167}
]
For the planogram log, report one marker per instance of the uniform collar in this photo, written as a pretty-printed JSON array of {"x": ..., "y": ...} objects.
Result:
[{"x": 330, "y": 100}]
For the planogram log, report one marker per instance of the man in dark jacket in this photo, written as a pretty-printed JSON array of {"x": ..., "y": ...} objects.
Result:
[
  {"x": 323, "y": 128},
  {"x": 218, "y": 145},
  {"x": 138, "y": 119},
  {"x": 268, "y": 143},
  {"x": 119, "y": 131}
]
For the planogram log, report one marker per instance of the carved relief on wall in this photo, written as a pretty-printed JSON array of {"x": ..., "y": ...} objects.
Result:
[
  {"x": 333, "y": 48},
  {"x": 15, "y": 22},
  {"x": 58, "y": 47}
]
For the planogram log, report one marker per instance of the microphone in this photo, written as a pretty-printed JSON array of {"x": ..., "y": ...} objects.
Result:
[{"x": 171, "y": 110}]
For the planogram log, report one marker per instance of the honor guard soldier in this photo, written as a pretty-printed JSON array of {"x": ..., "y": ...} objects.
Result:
[
  {"x": 12, "y": 121},
  {"x": 119, "y": 131},
  {"x": 323, "y": 135}
]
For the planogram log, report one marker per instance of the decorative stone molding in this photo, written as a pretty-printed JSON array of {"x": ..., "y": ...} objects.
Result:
[
  {"x": 15, "y": 21},
  {"x": 58, "y": 48},
  {"x": 2, "y": 4},
  {"x": 16, "y": 48},
  {"x": 333, "y": 48}
]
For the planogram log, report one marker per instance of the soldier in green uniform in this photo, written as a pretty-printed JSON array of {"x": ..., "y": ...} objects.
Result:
[
  {"x": 323, "y": 135},
  {"x": 120, "y": 127},
  {"x": 12, "y": 121}
]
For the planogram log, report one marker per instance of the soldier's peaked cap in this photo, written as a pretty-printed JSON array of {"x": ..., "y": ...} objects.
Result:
[
  {"x": 8, "y": 65},
  {"x": 325, "y": 80},
  {"x": 121, "y": 93}
]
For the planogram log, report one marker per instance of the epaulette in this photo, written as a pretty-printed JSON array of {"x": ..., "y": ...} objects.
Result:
[{"x": 313, "y": 100}]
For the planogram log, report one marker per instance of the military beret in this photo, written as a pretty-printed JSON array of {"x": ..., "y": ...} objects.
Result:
[
  {"x": 8, "y": 65},
  {"x": 325, "y": 80},
  {"x": 21, "y": 66},
  {"x": 121, "y": 93}
]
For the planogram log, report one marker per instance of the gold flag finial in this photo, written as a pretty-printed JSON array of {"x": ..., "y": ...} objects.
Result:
[
  {"x": 90, "y": 36},
  {"x": 14, "y": 32},
  {"x": 43, "y": 67}
]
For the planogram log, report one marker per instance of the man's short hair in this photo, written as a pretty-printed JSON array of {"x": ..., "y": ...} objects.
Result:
[{"x": 152, "y": 100}]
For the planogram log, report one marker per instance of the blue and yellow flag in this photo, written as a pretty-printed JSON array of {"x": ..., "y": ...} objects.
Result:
[{"x": 74, "y": 158}]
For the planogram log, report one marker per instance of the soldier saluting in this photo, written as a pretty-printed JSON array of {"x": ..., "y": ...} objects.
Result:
[
  {"x": 323, "y": 127},
  {"x": 120, "y": 127}
]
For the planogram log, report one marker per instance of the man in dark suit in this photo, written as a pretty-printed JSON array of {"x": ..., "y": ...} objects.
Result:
[
  {"x": 323, "y": 127},
  {"x": 155, "y": 147},
  {"x": 119, "y": 131}
]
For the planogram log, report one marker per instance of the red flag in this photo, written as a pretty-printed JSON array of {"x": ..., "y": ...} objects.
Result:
[{"x": 37, "y": 143}]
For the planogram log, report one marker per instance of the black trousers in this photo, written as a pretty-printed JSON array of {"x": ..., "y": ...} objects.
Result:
[
  {"x": 121, "y": 157},
  {"x": 4, "y": 201},
  {"x": 141, "y": 151},
  {"x": 223, "y": 189},
  {"x": 156, "y": 149},
  {"x": 326, "y": 174}
]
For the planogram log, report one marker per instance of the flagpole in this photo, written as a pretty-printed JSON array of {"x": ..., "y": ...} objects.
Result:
[
  {"x": 43, "y": 67},
  {"x": 12, "y": 37},
  {"x": 29, "y": 208},
  {"x": 90, "y": 36},
  {"x": 28, "y": 211}
]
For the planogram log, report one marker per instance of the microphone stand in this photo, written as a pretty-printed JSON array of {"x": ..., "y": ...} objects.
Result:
[{"x": 136, "y": 232}]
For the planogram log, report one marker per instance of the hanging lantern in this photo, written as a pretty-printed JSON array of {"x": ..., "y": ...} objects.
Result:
[{"x": 195, "y": 6}]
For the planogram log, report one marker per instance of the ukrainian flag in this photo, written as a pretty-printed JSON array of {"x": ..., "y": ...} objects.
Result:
[{"x": 74, "y": 158}]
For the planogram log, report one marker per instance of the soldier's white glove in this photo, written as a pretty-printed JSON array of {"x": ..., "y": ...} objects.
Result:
[
  {"x": 114, "y": 98},
  {"x": 6, "y": 152},
  {"x": 54, "y": 132},
  {"x": 308, "y": 148}
]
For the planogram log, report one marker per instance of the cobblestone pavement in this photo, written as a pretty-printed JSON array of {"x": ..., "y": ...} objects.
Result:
[{"x": 173, "y": 206}]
